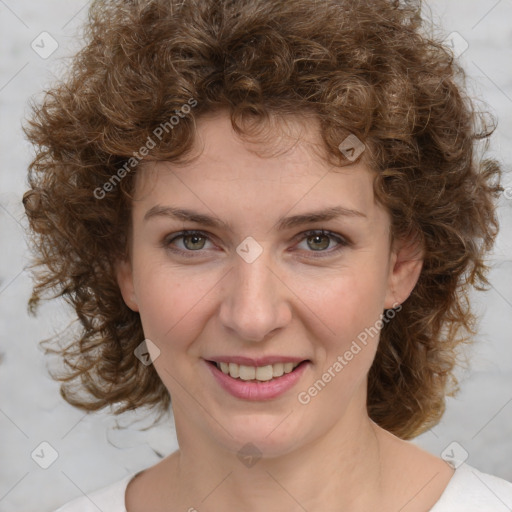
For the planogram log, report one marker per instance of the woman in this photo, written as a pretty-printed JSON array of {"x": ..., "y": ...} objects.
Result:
[{"x": 272, "y": 213}]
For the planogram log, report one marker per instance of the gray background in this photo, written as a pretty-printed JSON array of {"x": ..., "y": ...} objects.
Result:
[{"x": 91, "y": 451}]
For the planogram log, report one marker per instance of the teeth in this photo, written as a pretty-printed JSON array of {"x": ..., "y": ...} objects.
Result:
[
  {"x": 264, "y": 373},
  {"x": 234, "y": 370},
  {"x": 261, "y": 373},
  {"x": 246, "y": 372},
  {"x": 278, "y": 369}
]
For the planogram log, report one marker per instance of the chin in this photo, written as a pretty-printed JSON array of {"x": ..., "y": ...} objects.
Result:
[{"x": 269, "y": 435}]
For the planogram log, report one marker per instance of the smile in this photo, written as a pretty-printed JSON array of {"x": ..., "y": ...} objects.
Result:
[
  {"x": 257, "y": 373},
  {"x": 265, "y": 382}
]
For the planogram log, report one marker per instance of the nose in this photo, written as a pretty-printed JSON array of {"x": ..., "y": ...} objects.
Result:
[{"x": 256, "y": 301}]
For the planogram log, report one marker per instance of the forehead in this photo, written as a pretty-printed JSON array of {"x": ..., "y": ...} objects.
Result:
[{"x": 280, "y": 164}]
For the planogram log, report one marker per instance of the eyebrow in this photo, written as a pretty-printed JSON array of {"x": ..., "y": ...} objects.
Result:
[{"x": 283, "y": 223}]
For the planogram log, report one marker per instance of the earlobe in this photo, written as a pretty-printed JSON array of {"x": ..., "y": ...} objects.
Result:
[
  {"x": 124, "y": 277},
  {"x": 405, "y": 269}
]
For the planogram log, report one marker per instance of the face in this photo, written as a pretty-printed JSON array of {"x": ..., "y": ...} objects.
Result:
[{"x": 256, "y": 282}]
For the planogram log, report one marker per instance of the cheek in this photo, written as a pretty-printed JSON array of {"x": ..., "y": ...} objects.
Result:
[
  {"x": 170, "y": 303},
  {"x": 348, "y": 305}
]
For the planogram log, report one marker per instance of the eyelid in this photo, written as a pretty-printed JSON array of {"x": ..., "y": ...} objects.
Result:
[
  {"x": 182, "y": 234},
  {"x": 342, "y": 241}
]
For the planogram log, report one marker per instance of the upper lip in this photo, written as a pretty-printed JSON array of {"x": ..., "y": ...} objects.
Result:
[{"x": 257, "y": 361}]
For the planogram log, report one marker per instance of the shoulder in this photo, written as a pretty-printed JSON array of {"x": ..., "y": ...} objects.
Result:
[
  {"x": 110, "y": 498},
  {"x": 470, "y": 490}
]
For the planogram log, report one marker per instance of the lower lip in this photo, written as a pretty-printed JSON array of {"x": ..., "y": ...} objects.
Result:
[{"x": 258, "y": 390}]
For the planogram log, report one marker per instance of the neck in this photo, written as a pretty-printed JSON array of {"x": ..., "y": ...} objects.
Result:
[{"x": 339, "y": 470}]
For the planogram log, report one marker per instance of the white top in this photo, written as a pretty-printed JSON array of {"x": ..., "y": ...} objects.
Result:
[{"x": 468, "y": 490}]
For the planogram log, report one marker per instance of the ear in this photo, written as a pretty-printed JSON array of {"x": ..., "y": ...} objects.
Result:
[
  {"x": 124, "y": 275},
  {"x": 406, "y": 263}
]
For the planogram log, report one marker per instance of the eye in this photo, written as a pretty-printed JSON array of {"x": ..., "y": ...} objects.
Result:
[
  {"x": 195, "y": 241},
  {"x": 320, "y": 240}
]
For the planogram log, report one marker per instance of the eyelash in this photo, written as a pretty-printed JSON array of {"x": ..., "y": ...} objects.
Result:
[{"x": 343, "y": 242}]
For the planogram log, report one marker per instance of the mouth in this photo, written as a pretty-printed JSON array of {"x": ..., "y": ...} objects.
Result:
[{"x": 265, "y": 373}]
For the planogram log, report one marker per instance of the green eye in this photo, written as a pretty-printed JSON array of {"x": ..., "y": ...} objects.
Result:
[{"x": 318, "y": 241}]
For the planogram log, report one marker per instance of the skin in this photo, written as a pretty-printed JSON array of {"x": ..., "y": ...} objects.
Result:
[{"x": 328, "y": 454}]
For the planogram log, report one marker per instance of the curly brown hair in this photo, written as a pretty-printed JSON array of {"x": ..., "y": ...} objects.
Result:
[{"x": 363, "y": 67}]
